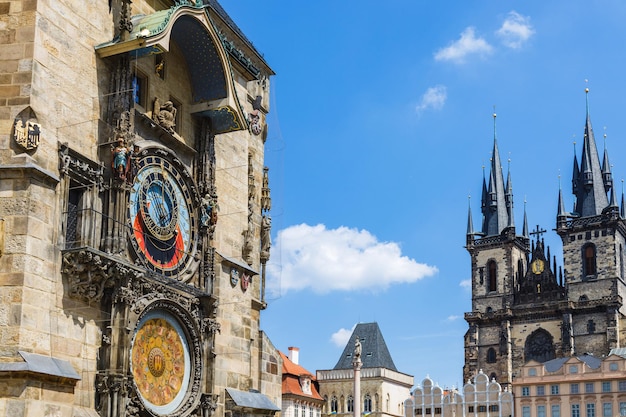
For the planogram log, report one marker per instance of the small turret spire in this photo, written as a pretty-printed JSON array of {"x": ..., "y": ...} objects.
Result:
[
  {"x": 525, "y": 225},
  {"x": 623, "y": 206},
  {"x": 470, "y": 224}
]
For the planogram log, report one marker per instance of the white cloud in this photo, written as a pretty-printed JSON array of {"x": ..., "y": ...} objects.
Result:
[
  {"x": 453, "y": 318},
  {"x": 466, "y": 284},
  {"x": 515, "y": 30},
  {"x": 340, "y": 337},
  {"x": 468, "y": 44},
  {"x": 342, "y": 259},
  {"x": 434, "y": 98}
]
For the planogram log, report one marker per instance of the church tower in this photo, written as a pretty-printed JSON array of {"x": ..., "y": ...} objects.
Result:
[
  {"x": 593, "y": 238},
  {"x": 524, "y": 307},
  {"x": 498, "y": 256}
]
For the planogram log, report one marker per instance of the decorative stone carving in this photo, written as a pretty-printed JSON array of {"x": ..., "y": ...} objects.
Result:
[
  {"x": 26, "y": 130},
  {"x": 208, "y": 404},
  {"x": 266, "y": 228},
  {"x": 266, "y": 199},
  {"x": 165, "y": 115},
  {"x": 81, "y": 169},
  {"x": 87, "y": 275}
]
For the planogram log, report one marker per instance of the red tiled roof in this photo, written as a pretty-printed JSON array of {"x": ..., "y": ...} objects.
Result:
[{"x": 291, "y": 379}]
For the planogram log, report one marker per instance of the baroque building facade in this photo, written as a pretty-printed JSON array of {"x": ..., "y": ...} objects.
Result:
[
  {"x": 523, "y": 307},
  {"x": 301, "y": 397},
  {"x": 383, "y": 389},
  {"x": 135, "y": 212}
]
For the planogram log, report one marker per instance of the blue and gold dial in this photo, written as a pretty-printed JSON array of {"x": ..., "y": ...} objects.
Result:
[{"x": 160, "y": 213}]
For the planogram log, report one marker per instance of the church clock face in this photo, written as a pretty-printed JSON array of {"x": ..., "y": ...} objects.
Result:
[{"x": 160, "y": 214}]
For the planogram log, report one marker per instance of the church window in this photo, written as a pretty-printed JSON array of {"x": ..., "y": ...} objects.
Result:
[
  {"x": 492, "y": 276},
  {"x": 350, "y": 404},
  {"x": 333, "y": 405},
  {"x": 539, "y": 346},
  {"x": 589, "y": 260},
  {"x": 367, "y": 404},
  {"x": 491, "y": 355},
  {"x": 591, "y": 327}
]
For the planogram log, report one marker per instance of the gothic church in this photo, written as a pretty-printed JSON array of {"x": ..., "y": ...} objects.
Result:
[{"x": 523, "y": 308}]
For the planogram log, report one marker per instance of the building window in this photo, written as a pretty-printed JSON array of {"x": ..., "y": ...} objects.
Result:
[
  {"x": 296, "y": 410},
  {"x": 541, "y": 390},
  {"x": 575, "y": 410},
  {"x": 437, "y": 410},
  {"x": 525, "y": 411},
  {"x": 589, "y": 260},
  {"x": 622, "y": 409},
  {"x": 606, "y": 386},
  {"x": 492, "y": 276},
  {"x": 525, "y": 391},
  {"x": 470, "y": 409},
  {"x": 591, "y": 410},
  {"x": 140, "y": 89},
  {"x": 539, "y": 346},
  {"x": 555, "y": 410},
  {"x": 589, "y": 387},
  {"x": 621, "y": 386},
  {"x": 607, "y": 410},
  {"x": 591, "y": 327},
  {"x": 573, "y": 369},
  {"x": 418, "y": 411},
  {"x": 491, "y": 355},
  {"x": 428, "y": 411},
  {"x": 350, "y": 404},
  {"x": 541, "y": 411},
  {"x": 494, "y": 408},
  {"x": 613, "y": 366},
  {"x": 367, "y": 404},
  {"x": 532, "y": 372},
  {"x": 554, "y": 389},
  {"x": 333, "y": 405},
  {"x": 482, "y": 408},
  {"x": 573, "y": 388}
]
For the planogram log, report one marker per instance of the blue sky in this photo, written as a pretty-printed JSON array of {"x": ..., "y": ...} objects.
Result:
[{"x": 381, "y": 122}]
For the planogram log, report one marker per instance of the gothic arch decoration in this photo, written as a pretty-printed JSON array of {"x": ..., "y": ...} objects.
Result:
[
  {"x": 539, "y": 346},
  {"x": 191, "y": 28}
]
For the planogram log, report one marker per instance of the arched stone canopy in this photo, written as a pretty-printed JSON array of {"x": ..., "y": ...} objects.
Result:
[{"x": 213, "y": 91}]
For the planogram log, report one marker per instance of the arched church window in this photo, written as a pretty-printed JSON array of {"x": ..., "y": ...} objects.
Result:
[
  {"x": 333, "y": 405},
  {"x": 539, "y": 346},
  {"x": 491, "y": 355},
  {"x": 367, "y": 404},
  {"x": 492, "y": 276},
  {"x": 350, "y": 404},
  {"x": 589, "y": 260}
]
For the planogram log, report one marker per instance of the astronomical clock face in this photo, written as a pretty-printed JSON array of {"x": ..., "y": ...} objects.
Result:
[
  {"x": 163, "y": 229},
  {"x": 161, "y": 362}
]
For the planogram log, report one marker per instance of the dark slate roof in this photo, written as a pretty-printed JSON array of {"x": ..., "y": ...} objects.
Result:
[
  {"x": 251, "y": 399},
  {"x": 556, "y": 364},
  {"x": 374, "y": 352}
]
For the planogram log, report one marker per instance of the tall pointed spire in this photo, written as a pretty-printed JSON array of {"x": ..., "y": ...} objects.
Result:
[
  {"x": 470, "y": 223},
  {"x": 589, "y": 186},
  {"x": 607, "y": 176},
  {"x": 525, "y": 225},
  {"x": 508, "y": 196},
  {"x": 623, "y": 206},
  {"x": 496, "y": 214}
]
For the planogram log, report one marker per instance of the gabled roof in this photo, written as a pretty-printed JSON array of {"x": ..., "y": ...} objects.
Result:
[
  {"x": 556, "y": 364},
  {"x": 373, "y": 347},
  {"x": 291, "y": 380}
]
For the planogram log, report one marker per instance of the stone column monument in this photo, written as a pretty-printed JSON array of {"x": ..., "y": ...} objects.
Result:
[{"x": 357, "y": 377}]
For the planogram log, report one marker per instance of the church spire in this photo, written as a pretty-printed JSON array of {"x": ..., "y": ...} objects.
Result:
[
  {"x": 508, "y": 196},
  {"x": 607, "y": 176},
  {"x": 589, "y": 185},
  {"x": 496, "y": 216},
  {"x": 470, "y": 223},
  {"x": 525, "y": 225}
]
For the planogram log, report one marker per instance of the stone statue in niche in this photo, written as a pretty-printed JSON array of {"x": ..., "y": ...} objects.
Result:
[
  {"x": 266, "y": 227},
  {"x": 121, "y": 155},
  {"x": 165, "y": 115},
  {"x": 208, "y": 210}
]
